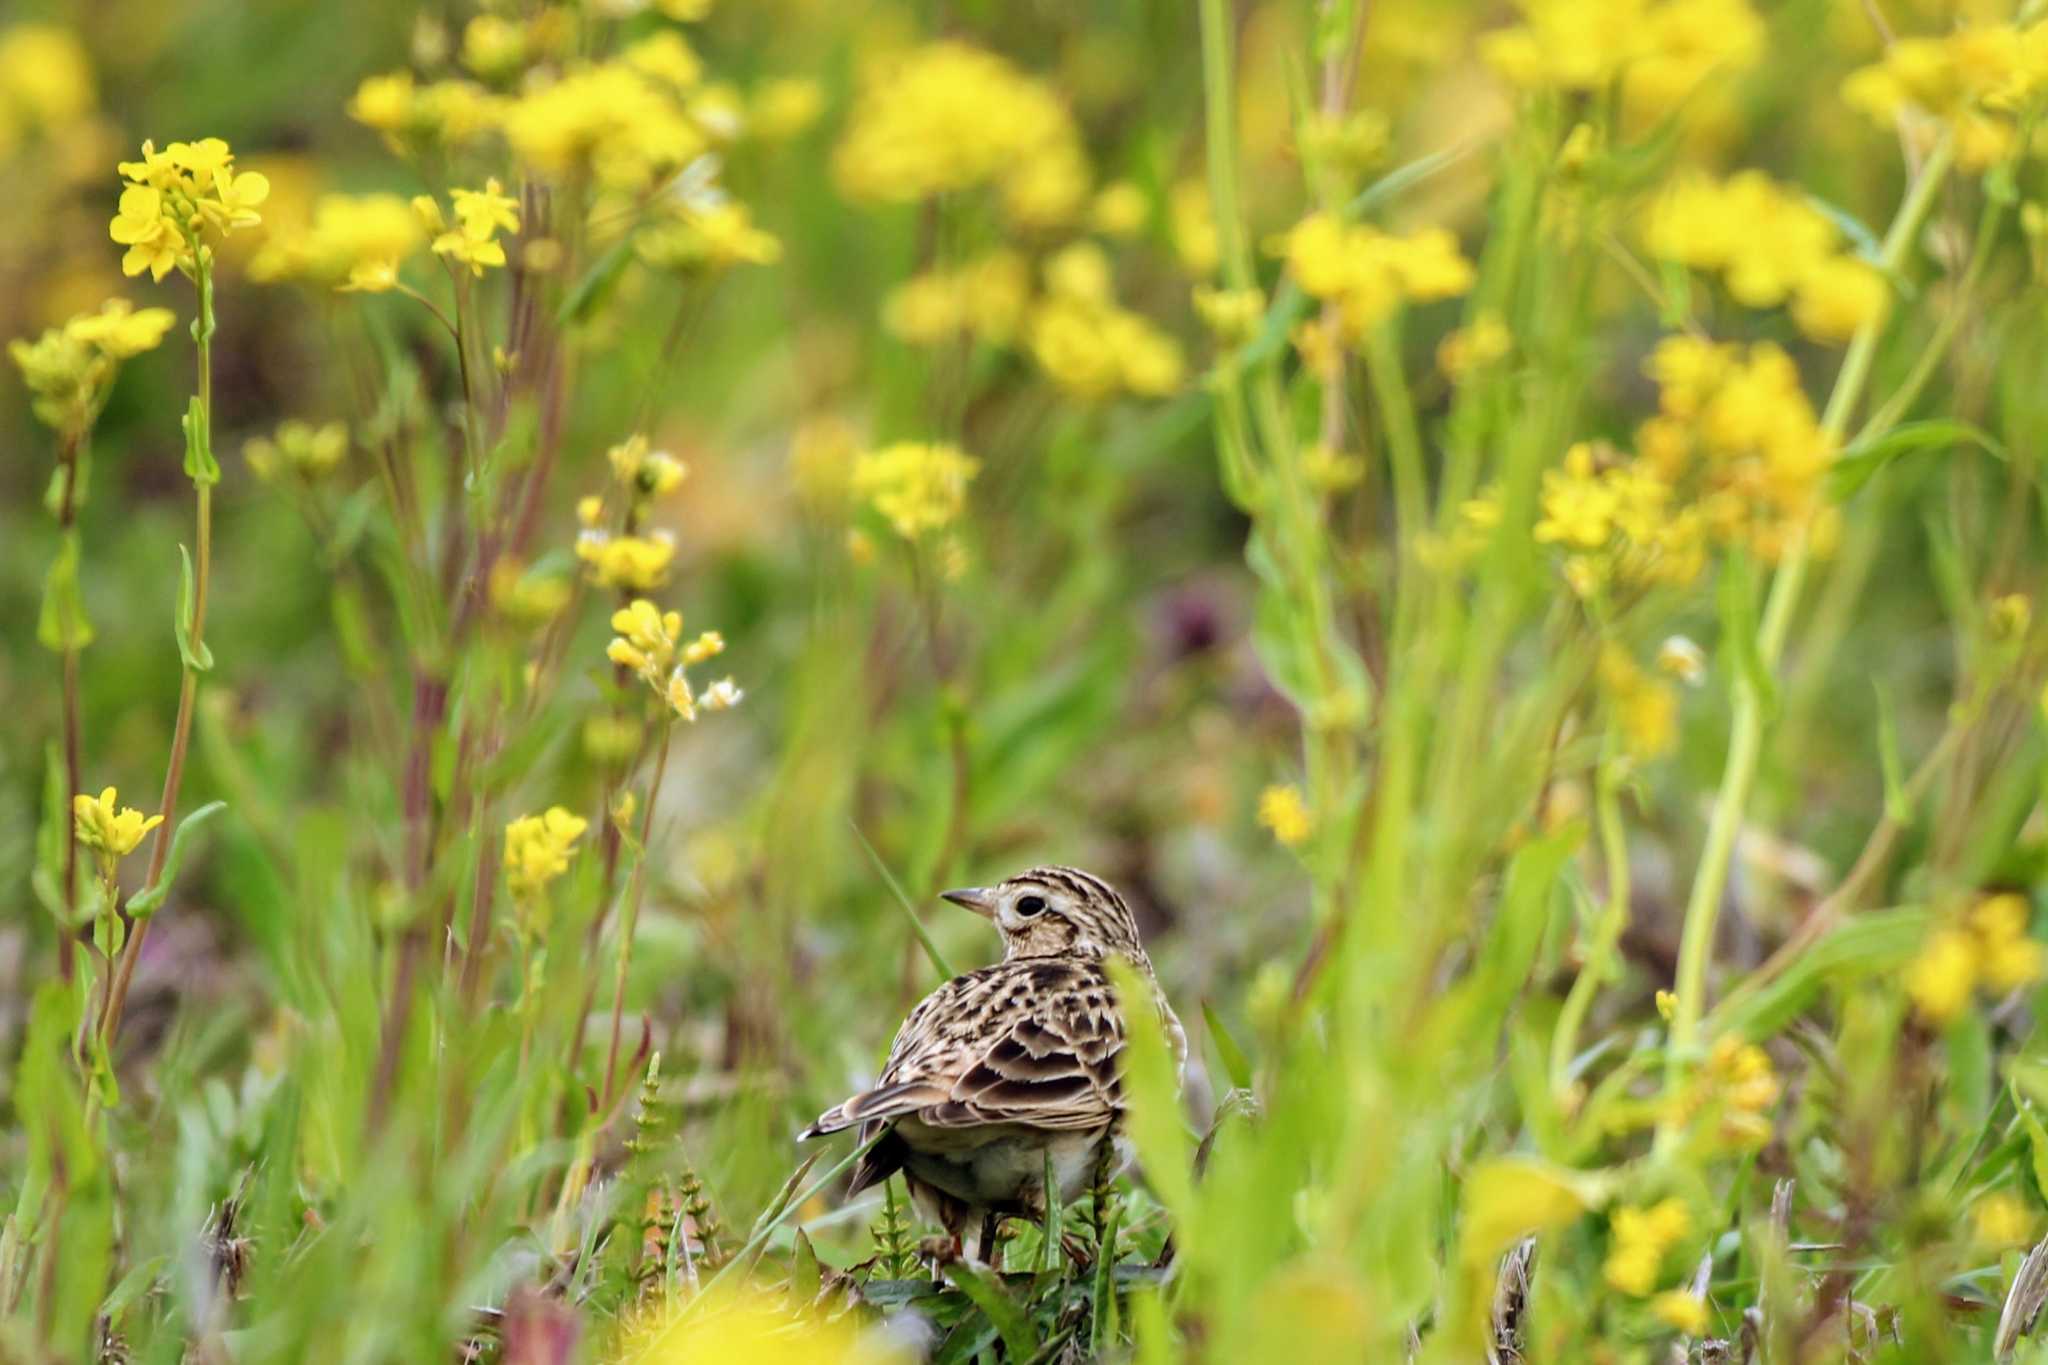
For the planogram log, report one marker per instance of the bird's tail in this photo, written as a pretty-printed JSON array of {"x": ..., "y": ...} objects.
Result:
[{"x": 882, "y": 1103}]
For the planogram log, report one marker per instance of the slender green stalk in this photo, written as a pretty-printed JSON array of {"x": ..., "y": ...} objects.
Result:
[
  {"x": 1600, "y": 957},
  {"x": 1745, "y": 741},
  {"x": 632, "y": 917},
  {"x": 188, "y": 688}
]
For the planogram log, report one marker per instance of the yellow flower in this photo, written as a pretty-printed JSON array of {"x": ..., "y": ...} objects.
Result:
[
  {"x": 68, "y": 370},
  {"x": 917, "y": 486},
  {"x": 1578, "y": 507},
  {"x": 112, "y": 832},
  {"x": 1942, "y": 977},
  {"x": 2002, "y": 1219},
  {"x": 1231, "y": 315},
  {"x": 709, "y": 237},
  {"x": 1474, "y": 347},
  {"x": 946, "y": 117},
  {"x": 384, "y": 102},
  {"x": 174, "y": 195},
  {"x": 783, "y": 108},
  {"x": 643, "y": 472},
  {"x": 537, "y": 849},
  {"x": 635, "y": 563},
  {"x": 308, "y": 451},
  {"x": 529, "y": 599},
  {"x": 45, "y": 75},
  {"x": 1838, "y": 298},
  {"x": 1119, "y": 210},
  {"x": 1681, "y": 1309},
  {"x": 2006, "y": 957},
  {"x": 754, "y": 1326},
  {"x": 479, "y": 215},
  {"x": 1283, "y": 812},
  {"x": 1192, "y": 225},
  {"x": 1645, "y": 707},
  {"x": 646, "y": 638},
  {"x": 1640, "y": 1238},
  {"x": 623, "y": 126}
]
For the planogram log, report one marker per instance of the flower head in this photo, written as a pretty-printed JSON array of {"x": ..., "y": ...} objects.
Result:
[
  {"x": 111, "y": 831},
  {"x": 537, "y": 849},
  {"x": 68, "y": 370},
  {"x": 1640, "y": 1239},
  {"x": 917, "y": 486},
  {"x": 177, "y": 196},
  {"x": 1282, "y": 810}
]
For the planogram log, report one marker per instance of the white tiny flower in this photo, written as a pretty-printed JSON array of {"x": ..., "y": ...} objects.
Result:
[
  {"x": 722, "y": 695},
  {"x": 1682, "y": 659}
]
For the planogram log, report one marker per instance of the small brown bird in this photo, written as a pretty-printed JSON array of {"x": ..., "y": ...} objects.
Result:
[{"x": 1004, "y": 1067}]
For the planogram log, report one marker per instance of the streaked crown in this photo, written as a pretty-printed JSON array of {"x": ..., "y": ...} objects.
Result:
[{"x": 1054, "y": 912}]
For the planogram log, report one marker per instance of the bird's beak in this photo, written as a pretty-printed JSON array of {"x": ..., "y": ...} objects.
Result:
[{"x": 979, "y": 899}]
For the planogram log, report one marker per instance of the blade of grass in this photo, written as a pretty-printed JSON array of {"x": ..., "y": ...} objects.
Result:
[
  {"x": 931, "y": 949},
  {"x": 786, "y": 1202}
]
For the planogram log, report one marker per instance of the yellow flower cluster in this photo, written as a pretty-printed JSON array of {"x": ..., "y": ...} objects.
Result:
[
  {"x": 526, "y": 597},
  {"x": 353, "y": 241},
  {"x": 1640, "y": 1240},
  {"x": 1768, "y": 244},
  {"x": 1470, "y": 349},
  {"x": 1090, "y": 346},
  {"x": 649, "y": 642},
  {"x": 947, "y": 116},
  {"x": 1283, "y": 812},
  {"x": 307, "y": 451},
  {"x": 614, "y": 120},
  {"x": 1231, "y": 315},
  {"x": 1368, "y": 273},
  {"x": 644, "y": 472},
  {"x": 1982, "y": 79},
  {"x": 537, "y": 849},
  {"x": 917, "y": 486},
  {"x": 1682, "y": 1310},
  {"x": 479, "y": 216},
  {"x": 1660, "y": 51},
  {"x": 634, "y": 563},
  {"x": 45, "y": 81},
  {"x": 709, "y": 237},
  {"x": 984, "y": 299},
  {"x": 2002, "y": 1219},
  {"x": 69, "y": 369},
  {"x": 1989, "y": 947},
  {"x": 1645, "y": 707},
  {"x": 110, "y": 830},
  {"x": 450, "y": 112},
  {"x": 1616, "y": 522},
  {"x": 176, "y": 195}
]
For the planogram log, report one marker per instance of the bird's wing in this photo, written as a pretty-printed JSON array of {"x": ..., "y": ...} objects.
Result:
[{"x": 1046, "y": 1055}]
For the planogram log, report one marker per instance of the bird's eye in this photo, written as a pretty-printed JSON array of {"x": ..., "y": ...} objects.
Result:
[{"x": 1030, "y": 905}]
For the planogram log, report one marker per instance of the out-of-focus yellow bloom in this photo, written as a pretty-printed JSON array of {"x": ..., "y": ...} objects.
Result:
[
  {"x": 305, "y": 450},
  {"x": 1768, "y": 243},
  {"x": 644, "y": 472},
  {"x": 1368, "y": 273},
  {"x": 752, "y": 1326},
  {"x": 537, "y": 849},
  {"x": 479, "y": 215},
  {"x": 2002, "y": 1219},
  {"x": 1284, "y": 813},
  {"x": 2010, "y": 617},
  {"x": 713, "y": 237},
  {"x": 176, "y": 195},
  {"x": 1343, "y": 142},
  {"x": 69, "y": 369},
  {"x": 635, "y": 563},
  {"x": 784, "y": 108},
  {"x": 45, "y": 76},
  {"x": 917, "y": 486},
  {"x": 1640, "y": 1238},
  {"x": 1645, "y": 707},
  {"x": 984, "y": 299},
  {"x": 2006, "y": 958},
  {"x": 1120, "y": 210},
  {"x": 354, "y": 242},
  {"x": 1231, "y": 315},
  {"x": 1681, "y": 1309},
  {"x": 1657, "y": 53},
  {"x": 1472, "y": 348},
  {"x": 525, "y": 598},
  {"x": 623, "y": 126},
  {"x": 1977, "y": 78},
  {"x": 821, "y": 458},
  {"x": 649, "y": 642},
  {"x": 668, "y": 57},
  {"x": 111, "y": 830},
  {"x": 1942, "y": 978},
  {"x": 1328, "y": 470},
  {"x": 946, "y": 117}
]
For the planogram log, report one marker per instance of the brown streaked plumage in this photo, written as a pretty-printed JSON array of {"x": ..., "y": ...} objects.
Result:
[{"x": 1006, "y": 1066}]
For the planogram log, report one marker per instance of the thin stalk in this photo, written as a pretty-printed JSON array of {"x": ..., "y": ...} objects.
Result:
[
  {"x": 67, "y": 526},
  {"x": 188, "y": 687},
  {"x": 632, "y": 919},
  {"x": 1600, "y": 959},
  {"x": 1745, "y": 741}
]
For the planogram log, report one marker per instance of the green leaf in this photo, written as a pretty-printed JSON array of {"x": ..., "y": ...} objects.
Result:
[
  {"x": 1866, "y": 945},
  {"x": 145, "y": 903},
  {"x": 200, "y": 466},
  {"x": 1152, "y": 1092},
  {"x": 931, "y": 949},
  {"x": 1864, "y": 459},
  {"x": 62, "y": 625},
  {"x": 197, "y": 658},
  {"x": 1055, "y": 1216},
  {"x": 1011, "y": 1322},
  {"x": 1105, "y": 1315},
  {"x": 1898, "y": 808},
  {"x": 1235, "y": 1065},
  {"x": 1738, "y": 592},
  {"x": 597, "y": 283},
  {"x": 805, "y": 1276}
]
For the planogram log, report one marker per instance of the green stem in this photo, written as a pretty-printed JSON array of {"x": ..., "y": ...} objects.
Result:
[
  {"x": 1600, "y": 958},
  {"x": 632, "y": 917},
  {"x": 1745, "y": 742},
  {"x": 188, "y": 688}
]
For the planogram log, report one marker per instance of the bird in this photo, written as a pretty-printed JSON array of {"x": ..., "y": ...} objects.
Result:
[{"x": 1009, "y": 1068}]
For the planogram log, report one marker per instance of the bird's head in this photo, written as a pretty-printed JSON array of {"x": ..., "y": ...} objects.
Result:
[{"x": 1055, "y": 912}]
